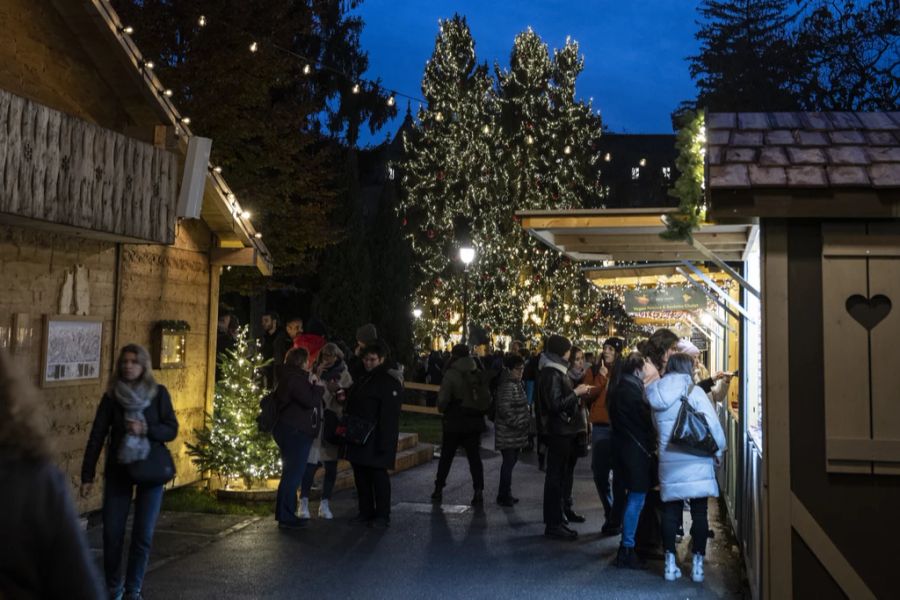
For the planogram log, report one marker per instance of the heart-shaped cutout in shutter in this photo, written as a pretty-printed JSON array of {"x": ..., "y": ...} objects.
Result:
[{"x": 868, "y": 312}]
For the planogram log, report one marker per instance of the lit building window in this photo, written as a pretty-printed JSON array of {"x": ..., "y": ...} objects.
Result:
[
  {"x": 667, "y": 172},
  {"x": 635, "y": 172}
]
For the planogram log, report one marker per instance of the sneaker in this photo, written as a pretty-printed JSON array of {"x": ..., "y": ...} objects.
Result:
[
  {"x": 303, "y": 509},
  {"x": 672, "y": 571},
  {"x": 325, "y": 510},
  {"x": 697, "y": 569}
]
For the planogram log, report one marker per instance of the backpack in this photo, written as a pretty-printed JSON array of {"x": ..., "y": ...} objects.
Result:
[
  {"x": 480, "y": 399},
  {"x": 268, "y": 413}
]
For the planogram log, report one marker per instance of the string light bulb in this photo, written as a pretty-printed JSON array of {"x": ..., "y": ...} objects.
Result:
[
  {"x": 202, "y": 21},
  {"x": 254, "y": 47},
  {"x": 567, "y": 149},
  {"x": 231, "y": 197},
  {"x": 529, "y": 139},
  {"x": 391, "y": 100},
  {"x": 185, "y": 120},
  {"x": 167, "y": 92},
  {"x": 258, "y": 235},
  {"x": 307, "y": 69},
  {"x": 438, "y": 116},
  {"x": 245, "y": 214},
  {"x": 607, "y": 157},
  {"x": 149, "y": 65},
  {"x": 486, "y": 129},
  {"x": 355, "y": 89},
  {"x": 643, "y": 162},
  {"x": 217, "y": 169},
  {"x": 128, "y": 29}
]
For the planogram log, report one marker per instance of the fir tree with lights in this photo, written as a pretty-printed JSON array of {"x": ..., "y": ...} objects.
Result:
[
  {"x": 230, "y": 445},
  {"x": 482, "y": 151}
]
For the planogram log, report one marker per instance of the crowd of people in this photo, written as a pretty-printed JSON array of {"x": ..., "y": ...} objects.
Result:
[{"x": 619, "y": 408}]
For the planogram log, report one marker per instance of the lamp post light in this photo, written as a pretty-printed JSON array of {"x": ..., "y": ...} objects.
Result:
[{"x": 466, "y": 255}]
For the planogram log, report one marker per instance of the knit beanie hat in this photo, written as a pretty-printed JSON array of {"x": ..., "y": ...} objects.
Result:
[
  {"x": 616, "y": 343},
  {"x": 367, "y": 334},
  {"x": 558, "y": 345}
]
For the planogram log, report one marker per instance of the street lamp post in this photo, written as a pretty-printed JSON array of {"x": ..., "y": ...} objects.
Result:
[{"x": 466, "y": 255}]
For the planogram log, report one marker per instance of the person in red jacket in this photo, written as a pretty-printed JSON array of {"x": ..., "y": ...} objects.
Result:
[{"x": 601, "y": 376}]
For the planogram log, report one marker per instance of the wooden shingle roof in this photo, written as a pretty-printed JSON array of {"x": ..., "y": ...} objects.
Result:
[{"x": 797, "y": 151}]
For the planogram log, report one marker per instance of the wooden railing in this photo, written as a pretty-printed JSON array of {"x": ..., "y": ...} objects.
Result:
[
  {"x": 417, "y": 408},
  {"x": 58, "y": 170}
]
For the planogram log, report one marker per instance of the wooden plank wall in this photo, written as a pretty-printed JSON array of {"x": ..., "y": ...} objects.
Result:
[{"x": 59, "y": 169}]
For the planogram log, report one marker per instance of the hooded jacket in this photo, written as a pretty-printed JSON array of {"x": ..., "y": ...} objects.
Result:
[
  {"x": 683, "y": 475},
  {"x": 376, "y": 397},
  {"x": 555, "y": 399},
  {"x": 456, "y": 391}
]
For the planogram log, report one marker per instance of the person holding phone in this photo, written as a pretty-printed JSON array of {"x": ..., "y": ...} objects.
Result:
[{"x": 559, "y": 406}]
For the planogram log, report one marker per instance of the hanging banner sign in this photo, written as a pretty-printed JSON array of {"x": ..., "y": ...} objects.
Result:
[{"x": 639, "y": 301}]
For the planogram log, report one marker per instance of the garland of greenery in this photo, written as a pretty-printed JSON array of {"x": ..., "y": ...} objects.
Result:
[
  {"x": 174, "y": 325},
  {"x": 691, "y": 145}
]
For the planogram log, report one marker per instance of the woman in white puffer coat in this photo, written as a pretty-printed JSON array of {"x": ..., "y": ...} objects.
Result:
[{"x": 684, "y": 476}]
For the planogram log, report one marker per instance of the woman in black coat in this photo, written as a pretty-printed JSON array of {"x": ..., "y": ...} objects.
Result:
[
  {"x": 135, "y": 414},
  {"x": 634, "y": 447},
  {"x": 375, "y": 399}
]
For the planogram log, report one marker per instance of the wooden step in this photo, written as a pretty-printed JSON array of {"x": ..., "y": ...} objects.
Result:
[{"x": 407, "y": 441}]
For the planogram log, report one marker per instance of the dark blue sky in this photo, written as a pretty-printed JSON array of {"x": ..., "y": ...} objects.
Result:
[{"x": 635, "y": 67}]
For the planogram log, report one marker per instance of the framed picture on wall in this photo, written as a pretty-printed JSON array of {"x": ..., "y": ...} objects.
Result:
[{"x": 71, "y": 350}]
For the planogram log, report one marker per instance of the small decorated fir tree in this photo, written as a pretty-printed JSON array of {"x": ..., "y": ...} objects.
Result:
[{"x": 230, "y": 445}]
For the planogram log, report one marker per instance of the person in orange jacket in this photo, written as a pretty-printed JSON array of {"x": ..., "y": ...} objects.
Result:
[{"x": 602, "y": 377}]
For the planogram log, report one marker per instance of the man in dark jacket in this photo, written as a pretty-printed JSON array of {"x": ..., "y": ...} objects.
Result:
[
  {"x": 274, "y": 344},
  {"x": 375, "y": 399},
  {"x": 299, "y": 401},
  {"x": 558, "y": 406},
  {"x": 461, "y": 426}
]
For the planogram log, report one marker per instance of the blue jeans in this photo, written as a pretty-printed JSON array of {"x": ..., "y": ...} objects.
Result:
[
  {"x": 327, "y": 484},
  {"x": 117, "y": 494},
  {"x": 612, "y": 497},
  {"x": 634, "y": 502},
  {"x": 294, "y": 446}
]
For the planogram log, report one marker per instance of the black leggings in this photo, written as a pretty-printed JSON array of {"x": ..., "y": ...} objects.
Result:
[{"x": 671, "y": 519}]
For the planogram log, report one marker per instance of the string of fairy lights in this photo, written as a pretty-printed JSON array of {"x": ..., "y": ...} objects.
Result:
[{"x": 147, "y": 66}]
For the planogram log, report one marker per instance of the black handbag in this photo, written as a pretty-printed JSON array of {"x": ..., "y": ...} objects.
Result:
[
  {"x": 355, "y": 431},
  {"x": 157, "y": 469},
  {"x": 691, "y": 432}
]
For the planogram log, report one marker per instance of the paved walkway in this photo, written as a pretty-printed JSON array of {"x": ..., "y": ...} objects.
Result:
[{"x": 452, "y": 551}]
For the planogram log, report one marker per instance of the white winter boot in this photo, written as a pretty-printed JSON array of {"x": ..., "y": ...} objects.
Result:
[
  {"x": 303, "y": 513},
  {"x": 697, "y": 570},
  {"x": 325, "y": 510},
  {"x": 672, "y": 571}
]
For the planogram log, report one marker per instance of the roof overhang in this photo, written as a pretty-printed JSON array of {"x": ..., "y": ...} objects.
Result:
[
  {"x": 119, "y": 61},
  {"x": 631, "y": 235},
  {"x": 637, "y": 277}
]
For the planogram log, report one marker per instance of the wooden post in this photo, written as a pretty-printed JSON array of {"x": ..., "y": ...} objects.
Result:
[{"x": 777, "y": 552}]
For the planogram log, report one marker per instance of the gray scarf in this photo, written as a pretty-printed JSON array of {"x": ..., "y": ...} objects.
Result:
[{"x": 133, "y": 399}]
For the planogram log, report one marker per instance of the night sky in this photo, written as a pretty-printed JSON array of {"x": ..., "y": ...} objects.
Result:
[{"x": 635, "y": 67}]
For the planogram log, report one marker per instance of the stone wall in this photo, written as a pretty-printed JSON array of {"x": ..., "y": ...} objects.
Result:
[{"x": 157, "y": 283}]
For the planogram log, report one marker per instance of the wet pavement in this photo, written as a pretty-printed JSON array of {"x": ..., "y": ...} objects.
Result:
[{"x": 449, "y": 551}]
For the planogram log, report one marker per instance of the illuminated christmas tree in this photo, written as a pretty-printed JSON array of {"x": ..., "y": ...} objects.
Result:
[
  {"x": 230, "y": 445},
  {"x": 483, "y": 150}
]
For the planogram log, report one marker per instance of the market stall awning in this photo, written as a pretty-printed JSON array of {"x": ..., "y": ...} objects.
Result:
[{"x": 631, "y": 235}]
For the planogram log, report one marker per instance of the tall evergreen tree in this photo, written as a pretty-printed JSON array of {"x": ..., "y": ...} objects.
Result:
[
  {"x": 523, "y": 143},
  {"x": 276, "y": 120},
  {"x": 747, "y": 59}
]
